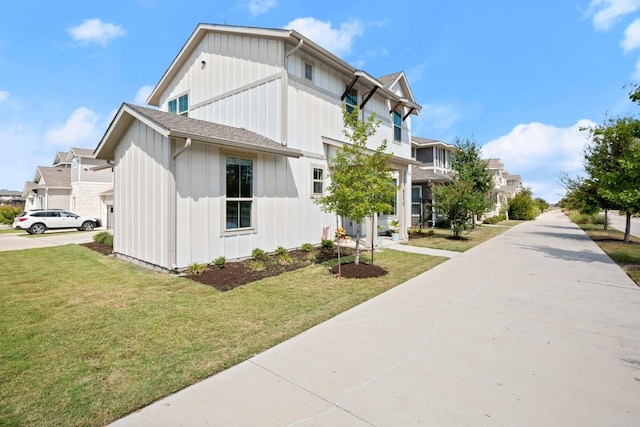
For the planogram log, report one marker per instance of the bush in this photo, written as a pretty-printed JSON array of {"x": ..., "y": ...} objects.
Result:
[
  {"x": 220, "y": 262},
  {"x": 8, "y": 214},
  {"x": 196, "y": 269},
  {"x": 258, "y": 254},
  {"x": 582, "y": 218},
  {"x": 494, "y": 219},
  {"x": 443, "y": 223},
  {"x": 306, "y": 247},
  {"x": 103, "y": 237},
  {"x": 256, "y": 265},
  {"x": 281, "y": 251},
  {"x": 285, "y": 259},
  {"x": 327, "y": 244}
]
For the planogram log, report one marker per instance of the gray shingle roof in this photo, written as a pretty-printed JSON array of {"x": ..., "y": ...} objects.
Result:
[
  {"x": 389, "y": 79},
  {"x": 54, "y": 177},
  {"x": 209, "y": 130},
  {"x": 494, "y": 164},
  {"x": 419, "y": 175},
  {"x": 82, "y": 152}
]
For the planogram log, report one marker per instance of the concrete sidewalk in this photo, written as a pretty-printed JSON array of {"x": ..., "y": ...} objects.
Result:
[{"x": 534, "y": 327}]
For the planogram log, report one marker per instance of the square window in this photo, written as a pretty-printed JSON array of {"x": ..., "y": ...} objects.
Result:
[
  {"x": 351, "y": 100},
  {"x": 317, "y": 181}
]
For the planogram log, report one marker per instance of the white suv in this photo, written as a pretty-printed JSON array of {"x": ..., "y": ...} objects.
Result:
[{"x": 38, "y": 220}]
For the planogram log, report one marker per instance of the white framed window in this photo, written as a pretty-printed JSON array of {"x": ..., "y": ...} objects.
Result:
[
  {"x": 317, "y": 180},
  {"x": 239, "y": 193},
  {"x": 397, "y": 126},
  {"x": 179, "y": 105},
  {"x": 308, "y": 71},
  {"x": 351, "y": 99}
]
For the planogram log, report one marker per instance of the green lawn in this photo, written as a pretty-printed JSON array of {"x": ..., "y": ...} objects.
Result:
[
  {"x": 438, "y": 238},
  {"x": 10, "y": 231},
  {"x": 626, "y": 255},
  {"x": 87, "y": 338}
]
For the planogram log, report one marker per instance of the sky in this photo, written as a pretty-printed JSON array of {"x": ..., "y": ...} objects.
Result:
[{"x": 520, "y": 78}]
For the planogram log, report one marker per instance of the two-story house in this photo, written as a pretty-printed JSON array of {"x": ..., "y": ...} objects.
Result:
[
  {"x": 233, "y": 158},
  {"x": 71, "y": 183},
  {"x": 434, "y": 168},
  {"x": 506, "y": 186}
]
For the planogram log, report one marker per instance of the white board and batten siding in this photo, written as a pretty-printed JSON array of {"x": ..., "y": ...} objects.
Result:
[
  {"x": 239, "y": 84},
  {"x": 143, "y": 185},
  {"x": 284, "y": 213}
]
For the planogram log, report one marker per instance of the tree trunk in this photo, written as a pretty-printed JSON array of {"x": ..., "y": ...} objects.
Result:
[
  {"x": 606, "y": 219},
  {"x": 627, "y": 229},
  {"x": 357, "y": 259}
]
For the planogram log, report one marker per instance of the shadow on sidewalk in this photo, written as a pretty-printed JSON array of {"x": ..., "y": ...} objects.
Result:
[{"x": 567, "y": 255}]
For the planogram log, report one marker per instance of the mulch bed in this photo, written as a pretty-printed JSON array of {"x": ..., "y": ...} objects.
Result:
[{"x": 238, "y": 273}]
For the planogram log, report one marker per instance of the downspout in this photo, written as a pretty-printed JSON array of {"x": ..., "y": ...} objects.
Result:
[{"x": 174, "y": 243}]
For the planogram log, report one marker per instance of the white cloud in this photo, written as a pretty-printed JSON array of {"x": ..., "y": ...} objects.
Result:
[
  {"x": 4, "y": 95},
  {"x": 96, "y": 31},
  {"x": 80, "y": 130},
  {"x": 437, "y": 118},
  {"x": 605, "y": 13},
  {"x": 336, "y": 40},
  {"x": 142, "y": 95},
  {"x": 535, "y": 145},
  {"x": 631, "y": 36},
  {"x": 541, "y": 153},
  {"x": 258, "y": 7}
]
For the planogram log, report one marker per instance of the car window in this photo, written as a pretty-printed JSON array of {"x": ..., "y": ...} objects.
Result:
[
  {"x": 53, "y": 214},
  {"x": 38, "y": 214}
]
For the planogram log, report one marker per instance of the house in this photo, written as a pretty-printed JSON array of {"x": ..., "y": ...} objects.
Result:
[
  {"x": 71, "y": 183},
  {"x": 11, "y": 198},
  {"x": 238, "y": 149},
  {"x": 506, "y": 186},
  {"x": 434, "y": 168}
]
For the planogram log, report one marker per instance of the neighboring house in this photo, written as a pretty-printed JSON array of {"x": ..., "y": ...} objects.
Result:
[
  {"x": 71, "y": 183},
  {"x": 506, "y": 186},
  {"x": 434, "y": 169},
  {"x": 238, "y": 150},
  {"x": 11, "y": 198}
]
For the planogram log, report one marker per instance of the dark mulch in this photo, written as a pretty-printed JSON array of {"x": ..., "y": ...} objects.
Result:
[
  {"x": 238, "y": 273},
  {"x": 358, "y": 271},
  {"x": 99, "y": 247}
]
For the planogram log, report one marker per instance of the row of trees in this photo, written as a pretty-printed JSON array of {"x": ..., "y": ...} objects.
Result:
[{"x": 612, "y": 164}]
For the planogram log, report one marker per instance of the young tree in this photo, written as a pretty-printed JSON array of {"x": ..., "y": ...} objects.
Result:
[
  {"x": 454, "y": 199},
  {"x": 613, "y": 163},
  {"x": 361, "y": 183},
  {"x": 468, "y": 164},
  {"x": 522, "y": 206}
]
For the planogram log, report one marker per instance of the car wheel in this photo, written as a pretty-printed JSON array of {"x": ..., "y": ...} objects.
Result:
[
  {"x": 37, "y": 229},
  {"x": 88, "y": 225}
]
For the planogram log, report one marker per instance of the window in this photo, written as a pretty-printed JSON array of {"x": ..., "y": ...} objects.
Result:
[
  {"x": 351, "y": 100},
  {"x": 239, "y": 193},
  {"x": 308, "y": 71},
  {"x": 180, "y": 105},
  {"x": 317, "y": 181},
  {"x": 397, "y": 126}
]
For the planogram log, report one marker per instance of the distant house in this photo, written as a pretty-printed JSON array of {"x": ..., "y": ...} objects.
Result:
[
  {"x": 506, "y": 186},
  {"x": 71, "y": 183},
  {"x": 11, "y": 198},
  {"x": 248, "y": 119},
  {"x": 434, "y": 168}
]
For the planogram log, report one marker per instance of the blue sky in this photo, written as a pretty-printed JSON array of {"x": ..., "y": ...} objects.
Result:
[{"x": 519, "y": 77}]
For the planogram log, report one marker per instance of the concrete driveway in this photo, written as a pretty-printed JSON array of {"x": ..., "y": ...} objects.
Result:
[
  {"x": 22, "y": 240},
  {"x": 536, "y": 327}
]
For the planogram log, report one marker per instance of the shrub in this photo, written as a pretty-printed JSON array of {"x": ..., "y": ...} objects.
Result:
[
  {"x": 492, "y": 220},
  {"x": 196, "y": 269},
  {"x": 258, "y": 254},
  {"x": 256, "y": 265},
  {"x": 280, "y": 251},
  {"x": 285, "y": 259},
  {"x": 220, "y": 262},
  {"x": 8, "y": 214},
  {"x": 306, "y": 247},
  {"x": 327, "y": 244},
  {"x": 103, "y": 237},
  {"x": 443, "y": 223}
]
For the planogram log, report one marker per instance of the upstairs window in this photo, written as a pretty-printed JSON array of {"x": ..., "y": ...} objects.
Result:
[
  {"x": 180, "y": 105},
  {"x": 308, "y": 71},
  {"x": 351, "y": 100},
  {"x": 397, "y": 126}
]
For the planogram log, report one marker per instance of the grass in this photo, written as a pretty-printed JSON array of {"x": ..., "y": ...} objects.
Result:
[
  {"x": 87, "y": 339},
  {"x": 10, "y": 231},
  {"x": 442, "y": 238},
  {"x": 611, "y": 241}
]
